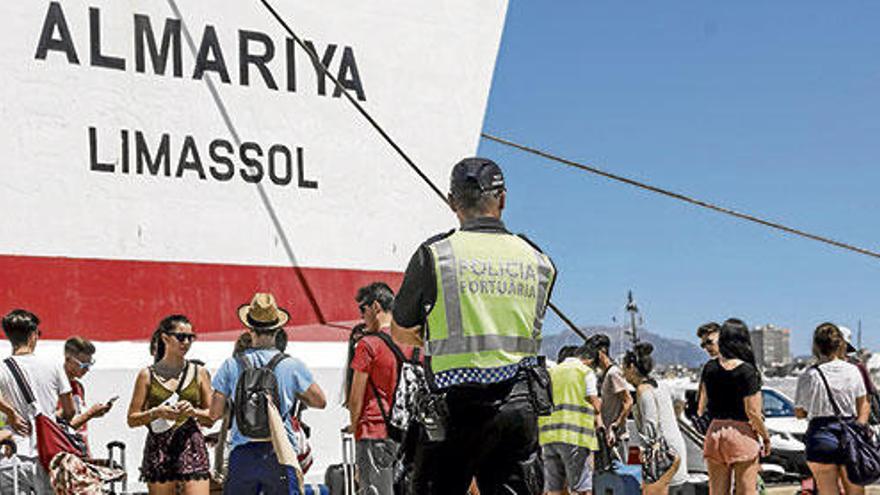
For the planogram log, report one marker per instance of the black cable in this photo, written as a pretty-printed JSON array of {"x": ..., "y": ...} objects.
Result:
[
  {"x": 415, "y": 168},
  {"x": 317, "y": 62},
  {"x": 681, "y": 197},
  {"x": 565, "y": 320}
]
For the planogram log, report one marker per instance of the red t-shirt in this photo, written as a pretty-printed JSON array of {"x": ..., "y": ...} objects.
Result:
[{"x": 373, "y": 357}]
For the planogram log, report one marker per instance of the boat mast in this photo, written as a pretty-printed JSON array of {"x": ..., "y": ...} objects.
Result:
[
  {"x": 633, "y": 311},
  {"x": 859, "y": 339}
]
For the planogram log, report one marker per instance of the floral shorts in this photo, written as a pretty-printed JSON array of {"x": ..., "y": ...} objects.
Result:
[{"x": 178, "y": 454}]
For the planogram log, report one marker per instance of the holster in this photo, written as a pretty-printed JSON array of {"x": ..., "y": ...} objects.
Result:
[
  {"x": 433, "y": 415},
  {"x": 540, "y": 388}
]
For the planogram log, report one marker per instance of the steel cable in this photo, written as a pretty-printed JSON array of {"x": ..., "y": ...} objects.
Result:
[
  {"x": 681, "y": 197},
  {"x": 388, "y": 139}
]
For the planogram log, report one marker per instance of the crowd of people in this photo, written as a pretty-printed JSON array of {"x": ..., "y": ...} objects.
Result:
[
  {"x": 589, "y": 422},
  {"x": 174, "y": 398},
  {"x": 445, "y": 390},
  {"x": 588, "y": 429},
  {"x": 50, "y": 387}
]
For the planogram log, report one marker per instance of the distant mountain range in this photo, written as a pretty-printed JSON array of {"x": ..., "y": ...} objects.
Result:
[{"x": 666, "y": 351}]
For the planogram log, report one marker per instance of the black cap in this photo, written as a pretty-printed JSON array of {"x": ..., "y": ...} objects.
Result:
[{"x": 477, "y": 173}]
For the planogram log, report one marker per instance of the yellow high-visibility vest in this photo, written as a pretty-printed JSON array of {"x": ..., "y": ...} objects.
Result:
[
  {"x": 492, "y": 294},
  {"x": 573, "y": 418}
]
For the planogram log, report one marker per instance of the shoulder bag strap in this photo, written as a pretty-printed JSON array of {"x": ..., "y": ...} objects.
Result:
[
  {"x": 384, "y": 337},
  {"x": 20, "y": 380},
  {"x": 243, "y": 362},
  {"x": 182, "y": 379},
  {"x": 640, "y": 419},
  {"x": 655, "y": 393},
  {"x": 277, "y": 358},
  {"x": 386, "y": 417},
  {"x": 398, "y": 355},
  {"x": 828, "y": 390},
  {"x": 659, "y": 427}
]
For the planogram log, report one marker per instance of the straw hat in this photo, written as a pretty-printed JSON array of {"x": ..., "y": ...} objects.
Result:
[{"x": 263, "y": 313}]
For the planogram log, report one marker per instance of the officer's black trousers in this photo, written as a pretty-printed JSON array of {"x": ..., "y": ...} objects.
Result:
[{"x": 492, "y": 434}]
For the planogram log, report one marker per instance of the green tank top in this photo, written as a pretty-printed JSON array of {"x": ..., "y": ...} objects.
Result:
[{"x": 158, "y": 393}]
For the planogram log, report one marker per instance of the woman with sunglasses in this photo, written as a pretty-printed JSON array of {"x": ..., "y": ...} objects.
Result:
[{"x": 171, "y": 398}]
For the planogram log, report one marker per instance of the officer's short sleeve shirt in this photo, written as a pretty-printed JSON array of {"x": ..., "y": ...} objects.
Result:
[{"x": 417, "y": 290}]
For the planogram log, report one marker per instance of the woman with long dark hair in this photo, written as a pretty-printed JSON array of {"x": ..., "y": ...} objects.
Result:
[
  {"x": 655, "y": 419},
  {"x": 813, "y": 401},
  {"x": 171, "y": 397},
  {"x": 737, "y": 436}
]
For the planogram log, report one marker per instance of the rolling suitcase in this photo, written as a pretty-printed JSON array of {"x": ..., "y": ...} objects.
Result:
[
  {"x": 621, "y": 479},
  {"x": 19, "y": 481},
  {"x": 340, "y": 478},
  {"x": 122, "y": 484},
  {"x": 334, "y": 478}
]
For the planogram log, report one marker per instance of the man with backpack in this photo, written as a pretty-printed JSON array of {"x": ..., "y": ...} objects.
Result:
[
  {"x": 376, "y": 363},
  {"x": 251, "y": 379}
]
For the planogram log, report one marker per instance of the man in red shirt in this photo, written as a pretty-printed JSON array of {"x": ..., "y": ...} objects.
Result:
[{"x": 372, "y": 391}]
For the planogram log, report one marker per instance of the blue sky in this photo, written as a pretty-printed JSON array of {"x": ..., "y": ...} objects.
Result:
[{"x": 767, "y": 107}]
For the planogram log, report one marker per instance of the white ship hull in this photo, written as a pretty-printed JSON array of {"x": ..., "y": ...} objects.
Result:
[{"x": 177, "y": 156}]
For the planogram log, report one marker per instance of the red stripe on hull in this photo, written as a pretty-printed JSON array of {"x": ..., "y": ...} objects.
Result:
[{"x": 124, "y": 300}]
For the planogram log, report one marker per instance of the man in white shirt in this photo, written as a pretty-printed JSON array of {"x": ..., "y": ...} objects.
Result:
[{"x": 50, "y": 387}]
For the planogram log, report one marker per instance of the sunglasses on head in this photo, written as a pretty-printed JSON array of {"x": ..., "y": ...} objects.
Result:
[{"x": 183, "y": 337}]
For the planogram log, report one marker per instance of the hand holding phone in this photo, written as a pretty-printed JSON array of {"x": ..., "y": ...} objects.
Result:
[{"x": 99, "y": 410}]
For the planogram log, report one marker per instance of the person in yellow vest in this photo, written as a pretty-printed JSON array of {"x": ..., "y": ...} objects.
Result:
[
  {"x": 475, "y": 299},
  {"x": 568, "y": 436}
]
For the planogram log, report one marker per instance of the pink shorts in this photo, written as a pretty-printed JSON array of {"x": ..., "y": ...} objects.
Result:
[{"x": 730, "y": 442}]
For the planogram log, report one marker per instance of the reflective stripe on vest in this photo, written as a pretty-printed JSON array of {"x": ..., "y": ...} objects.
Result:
[
  {"x": 573, "y": 419},
  {"x": 492, "y": 294}
]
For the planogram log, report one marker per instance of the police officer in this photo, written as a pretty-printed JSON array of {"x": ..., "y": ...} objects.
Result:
[{"x": 475, "y": 298}]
